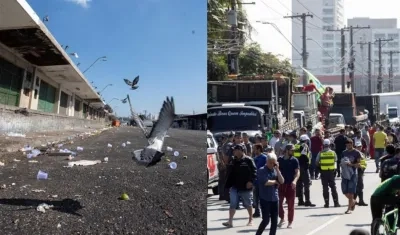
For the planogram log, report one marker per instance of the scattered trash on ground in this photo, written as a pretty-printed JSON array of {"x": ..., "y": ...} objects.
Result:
[
  {"x": 41, "y": 175},
  {"x": 173, "y": 165},
  {"x": 79, "y": 148},
  {"x": 109, "y": 145},
  {"x": 123, "y": 145},
  {"x": 16, "y": 160},
  {"x": 127, "y": 142},
  {"x": 33, "y": 161},
  {"x": 1, "y": 163},
  {"x": 169, "y": 149},
  {"x": 180, "y": 183},
  {"x": 54, "y": 196},
  {"x": 43, "y": 207},
  {"x": 176, "y": 153},
  {"x": 13, "y": 134},
  {"x": 58, "y": 225},
  {"x": 3, "y": 186},
  {"x": 38, "y": 190},
  {"x": 70, "y": 157},
  {"x": 184, "y": 157},
  {"x": 124, "y": 197},
  {"x": 83, "y": 163},
  {"x": 105, "y": 159},
  {"x": 168, "y": 214}
]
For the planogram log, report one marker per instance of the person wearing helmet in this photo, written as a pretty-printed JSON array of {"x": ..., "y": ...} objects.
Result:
[
  {"x": 360, "y": 176},
  {"x": 326, "y": 161},
  {"x": 303, "y": 185}
]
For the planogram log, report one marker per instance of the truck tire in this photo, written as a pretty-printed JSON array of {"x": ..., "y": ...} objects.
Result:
[{"x": 215, "y": 190}]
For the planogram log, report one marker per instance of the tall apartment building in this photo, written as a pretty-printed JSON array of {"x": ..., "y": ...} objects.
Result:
[
  {"x": 323, "y": 47},
  {"x": 380, "y": 28}
]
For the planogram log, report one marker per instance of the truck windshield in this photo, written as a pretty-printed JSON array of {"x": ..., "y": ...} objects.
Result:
[
  {"x": 335, "y": 120},
  {"x": 233, "y": 119},
  {"x": 392, "y": 113}
]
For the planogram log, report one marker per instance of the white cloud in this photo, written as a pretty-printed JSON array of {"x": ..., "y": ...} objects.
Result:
[{"x": 82, "y": 3}]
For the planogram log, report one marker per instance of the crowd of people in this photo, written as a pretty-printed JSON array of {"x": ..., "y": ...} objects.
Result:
[{"x": 263, "y": 174}]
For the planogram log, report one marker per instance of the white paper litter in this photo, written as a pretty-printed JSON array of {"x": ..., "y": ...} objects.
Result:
[
  {"x": 43, "y": 207},
  {"x": 83, "y": 163},
  {"x": 13, "y": 134}
]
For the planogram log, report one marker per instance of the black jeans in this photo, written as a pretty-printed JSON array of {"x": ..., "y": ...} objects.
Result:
[{"x": 269, "y": 212}]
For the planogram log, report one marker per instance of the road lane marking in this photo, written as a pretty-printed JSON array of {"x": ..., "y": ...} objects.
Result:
[{"x": 323, "y": 225}]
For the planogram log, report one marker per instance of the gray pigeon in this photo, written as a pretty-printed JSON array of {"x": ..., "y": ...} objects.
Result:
[
  {"x": 152, "y": 154},
  {"x": 133, "y": 83}
]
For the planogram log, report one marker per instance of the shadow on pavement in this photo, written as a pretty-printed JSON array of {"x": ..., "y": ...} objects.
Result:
[
  {"x": 252, "y": 231},
  {"x": 307, "y": 208},
  {"x": 358, "y": 225},
  {"x": 323, "y": 215},
  {"x": 238, "y": 218},
  {"x": 218, "y": 209},
  {"x": 68, "y": 206}
]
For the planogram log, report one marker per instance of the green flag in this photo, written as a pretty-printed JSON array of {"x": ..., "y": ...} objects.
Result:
[{"x": 317, "y": 83}]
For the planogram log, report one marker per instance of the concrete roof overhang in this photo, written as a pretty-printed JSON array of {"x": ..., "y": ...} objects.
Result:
[{"x": 23, "y": 32}]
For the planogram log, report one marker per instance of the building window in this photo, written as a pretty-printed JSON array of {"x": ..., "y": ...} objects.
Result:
[
  {"x": 328, "y": 20},
  {"x": 393, "y": 35},
  {"x": 327, "y": 44},
  {"x": 326, "y": 27},
  {"x": 327, "y": 10},
  {"x": 328, "y": 70},
  {"x": 328, "y": 62},
  {"x": 395, "y": 69},
  {"x": 395, "y": 61},
  {"x": 393, "y": 44},
  {"x": 379, "y": 35},
  {"x": 328, "y": 36},
  {"x": 327, "y": 53},
  {"x": 376, "y": 53}
]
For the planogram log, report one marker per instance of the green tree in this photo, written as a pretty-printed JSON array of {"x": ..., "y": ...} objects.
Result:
[
  {"x": 253, "y": 61},
  {"x": 218, "y": 35}
]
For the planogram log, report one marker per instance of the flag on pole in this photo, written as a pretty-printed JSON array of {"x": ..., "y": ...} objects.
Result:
[{"x": 317, "y": 83}]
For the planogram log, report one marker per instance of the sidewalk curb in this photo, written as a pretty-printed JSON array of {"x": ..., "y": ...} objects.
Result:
[{"x": 55, "y": 140}]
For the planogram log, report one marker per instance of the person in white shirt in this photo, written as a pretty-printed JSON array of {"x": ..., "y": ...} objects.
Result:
[{"x": 275, "y": 138}]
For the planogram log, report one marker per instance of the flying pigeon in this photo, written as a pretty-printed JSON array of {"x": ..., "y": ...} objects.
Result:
[
  {"x": 152, "y": 154},
  {"x": 133, "y": 83}
]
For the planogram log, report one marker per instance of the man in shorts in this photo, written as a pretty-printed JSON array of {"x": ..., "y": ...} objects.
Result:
[{"x": 242, "y": 173}]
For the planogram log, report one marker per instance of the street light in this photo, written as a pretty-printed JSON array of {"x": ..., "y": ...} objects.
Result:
[
  {"x": 102, "y": 58},
  {"x": 74, "y": 55},
  {"x": 112, "y": 100},
  {"x": 280, "y": 32},
  {"x": 105, "y": 87}
]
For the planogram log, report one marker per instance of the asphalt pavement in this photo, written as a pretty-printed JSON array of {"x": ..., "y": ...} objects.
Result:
[
  {"x": 307, "y": 221},
  {"x": 85, "y": 198}
]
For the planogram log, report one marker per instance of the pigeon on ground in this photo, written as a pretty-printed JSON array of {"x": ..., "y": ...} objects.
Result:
[
  {"x": 152, "y": 154},
  {"x": 133, "y": 83}
]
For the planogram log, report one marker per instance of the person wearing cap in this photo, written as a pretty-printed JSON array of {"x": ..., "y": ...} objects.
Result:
[
  {"x": 241, "y": 176},
  {"x": 350, "y": 162},
  {"x": 303, "y": 184},
  {"x": 358, "y": 138},
  {"x": 290, "y": 169},
  {"x": 326, "y": 161},
  {"x": 259, "y": 159},
  {"x": 360, "y": 176}
]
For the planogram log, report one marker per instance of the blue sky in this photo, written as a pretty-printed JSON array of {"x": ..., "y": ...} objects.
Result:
[{"x": 162, "y": 41}]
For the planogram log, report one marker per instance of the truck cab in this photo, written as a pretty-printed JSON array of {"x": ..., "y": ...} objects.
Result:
[
  {"x": 336, "y": 120},
  {"x": 392, "y": 113},
  {"x": 305, "y": 108}
]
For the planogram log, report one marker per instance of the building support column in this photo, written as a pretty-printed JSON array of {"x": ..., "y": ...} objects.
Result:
[{"x": 58, "y": 99}]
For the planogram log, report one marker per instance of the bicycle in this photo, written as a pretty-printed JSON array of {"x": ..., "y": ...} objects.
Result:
[{"x": 382, "y": 226}]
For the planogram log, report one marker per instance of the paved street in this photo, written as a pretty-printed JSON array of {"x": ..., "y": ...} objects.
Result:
[
  {"x": 307, "y": 221},
  {"x": 85, "y": 198}
]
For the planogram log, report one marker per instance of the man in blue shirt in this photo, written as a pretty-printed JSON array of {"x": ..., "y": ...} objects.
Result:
[
  {"x": 268, "y": 179},
  {"x": 260, "y": 160}
]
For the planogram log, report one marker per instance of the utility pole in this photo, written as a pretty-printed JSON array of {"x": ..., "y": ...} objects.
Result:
[
  {"x": 369, "y": 64},
  {"x": 391, "y": 68},
  {"x": 304, "y": 54},
  {"x": 233, "y": 63},
  {"x": 343, "y": 60},
  {"x": 352, "y": 58},
  {"x": 380, "y": 78}
]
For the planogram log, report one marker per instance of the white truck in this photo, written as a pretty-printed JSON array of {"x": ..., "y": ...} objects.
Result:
[{"x": 389, "y": 103}]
